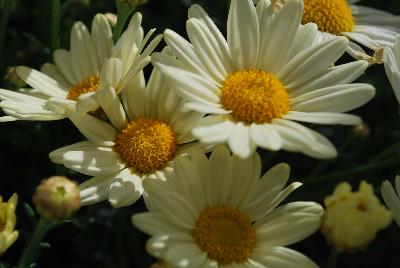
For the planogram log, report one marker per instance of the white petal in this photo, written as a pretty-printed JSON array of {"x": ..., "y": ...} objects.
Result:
[
  {"x": 88, "y": 158},
  {"x": 391, "y": 199},
  {"x": 289, "y": 223},
  {"x": 243, "y": 33},
  {"x": 265, "y": 137},
  {"x": 112, "y": 106},
  {"x": 126, "y": 189},
  {"x": 213, "y": 129},
  {"x": 281, "y": 257},
  {"x": 312, "y": 62},
  {"x": 324, "y": 118},
  {"x": 336, "y": 99},
  {"x": 94, "y": 129},
  {"x": 41, "y": 82}
]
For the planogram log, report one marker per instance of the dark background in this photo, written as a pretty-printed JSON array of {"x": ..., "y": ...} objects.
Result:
[{"x": 100, "y": 236}]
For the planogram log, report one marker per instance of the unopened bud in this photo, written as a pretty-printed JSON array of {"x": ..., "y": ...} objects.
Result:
[
  {"x": 57, "y": 198},
  {"x": 134, "y": 3},
  {"x": 111, "y": 18},
  {"x": 12, "y": 79},
  {"x": 361, "y": 131},
  {"x": 352, "y": 219}
]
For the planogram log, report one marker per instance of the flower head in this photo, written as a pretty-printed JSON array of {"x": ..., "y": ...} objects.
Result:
[
  {"x": 145, "y": 131},
  {"x": 217, "y": 212},
  {"x": 77, "y": 75},
  {"x": 57, "y": 198},
  {"x": 352, "y": 219},
  {"x": 7, "y": 223},
  {"x": 268, "y": 75}
]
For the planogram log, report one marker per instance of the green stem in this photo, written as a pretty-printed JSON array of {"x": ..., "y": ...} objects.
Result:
[
  {"x": 333, "y": 256},
  {"x": 123, "y": 13},
  {"x": 363, "y": 169},
  {"x": 5, "y": 16},
  {"x": 394, "y": 148},
  {"x": 55, "y": 24},
  {"x": 33, "y": 247}
]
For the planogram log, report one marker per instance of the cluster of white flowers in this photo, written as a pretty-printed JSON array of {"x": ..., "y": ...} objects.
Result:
[{"x": 217, "y": 97}]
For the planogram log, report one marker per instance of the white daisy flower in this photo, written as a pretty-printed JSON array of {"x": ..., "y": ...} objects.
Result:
[
  {"x": 77, "y": 74},
  {"x": 255, "y": 86},
  {"x": 147, "y": 130},
  {"x": 392, "y": 198},
  {"x": 392, "y": 62},
  {"x": 367, "y": 26},
  {"x": 217, "y": 212}
]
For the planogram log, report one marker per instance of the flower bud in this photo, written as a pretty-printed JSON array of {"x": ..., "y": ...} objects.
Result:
[
  {"x": 111, "y": 18},
  {"x": 352, "y": 219},
  {"x": 361, "y": 131},
  {"x": 12, "y": 79},
  {"x": 7, "y": 222},
  {"x": 57, "y": 198}
]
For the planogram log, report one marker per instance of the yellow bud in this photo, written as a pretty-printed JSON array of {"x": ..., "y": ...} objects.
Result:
[
  {"x": 57, "y": 198},
  {"x": 352, "y": 219},
  {"x": 361, "y": 131},
  {"x": 7, "y": 222},
  {"x": 12, "y": 79},
  {"x": 111, "y": 18}
]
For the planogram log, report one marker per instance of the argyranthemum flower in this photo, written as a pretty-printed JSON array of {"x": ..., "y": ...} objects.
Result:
[
  {"x": 77, "y": 74},
  {"x": 367, "y": 26},
  {"x": 217, "y": 212},
  {"x": 7, "y": 222},
  {"x": 391, "y": 198},
  {"x": 147, "y": 130},
  {"x": 392, "y": 62},
  {"x": 255, "y": 86},
  {"x": 352, "y": 219}
]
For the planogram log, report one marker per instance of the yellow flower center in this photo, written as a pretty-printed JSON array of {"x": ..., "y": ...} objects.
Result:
[
  {"x": 225, "y": 234},
  {"x": 254, "y": 96},
  {"x": 87, "y": 85},
  {"x": 331, "y": 16},
  {"x": 146, "y": 144}
]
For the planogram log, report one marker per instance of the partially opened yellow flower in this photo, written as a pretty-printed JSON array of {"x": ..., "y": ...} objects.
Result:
[
  {"x": 7, "y": 223},
  {"x": 352, "y": 219}
]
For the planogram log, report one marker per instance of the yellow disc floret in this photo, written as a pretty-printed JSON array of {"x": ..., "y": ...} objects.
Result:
[
  {"x": 87, "y": 85},
  {"x": 146, "y": 144},
  {"x": 254, "y": 96},
  {"x": 225, "y": 234},
  {"x": 331, "y": 16}
]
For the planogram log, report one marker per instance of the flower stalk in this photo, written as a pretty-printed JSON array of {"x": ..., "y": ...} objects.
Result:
[
  {"x": 55, "y": 24},
  {"x": 333, "y": 256},
  {"x": 32, "y": 249}
]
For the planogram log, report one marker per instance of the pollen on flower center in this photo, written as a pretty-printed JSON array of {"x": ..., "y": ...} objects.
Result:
[
  {"x": 254, "y": 96},
  {"x": 146, "y": 144},
  {"x": 87, "y": 85},
  {"x": 225, "y": 234},
  {"x": 332, "y": 16}
]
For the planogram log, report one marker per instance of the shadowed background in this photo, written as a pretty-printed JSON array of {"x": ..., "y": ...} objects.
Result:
[{"x": 100, "y": 236}]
